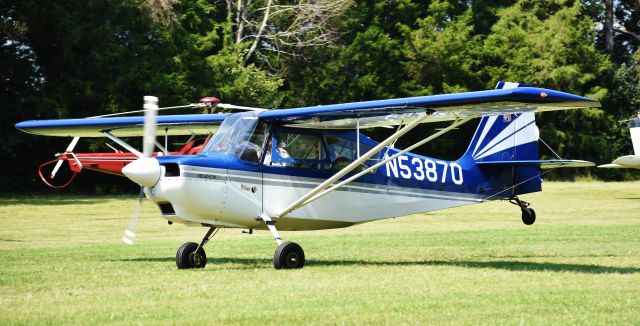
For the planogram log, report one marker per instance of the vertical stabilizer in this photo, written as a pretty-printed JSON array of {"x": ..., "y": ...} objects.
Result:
[
  {"x": 500, "y": 139},
  {"x": 507, "y": 137},
  {"x": 634, "y": 128}
]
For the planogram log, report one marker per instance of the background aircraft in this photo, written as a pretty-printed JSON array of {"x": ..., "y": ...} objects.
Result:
[
  {"x": 198, "y": 128},
  {"x": 312, "y": 168},
  {"x": 629, "y": 161}
]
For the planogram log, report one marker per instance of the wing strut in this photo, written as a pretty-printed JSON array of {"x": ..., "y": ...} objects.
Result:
[
  {"x": 377, "y": 165},
  {"x": 123, "y": 144},
  {"x": 301, "y": 201},
  {"x": 161, "y": 147}
]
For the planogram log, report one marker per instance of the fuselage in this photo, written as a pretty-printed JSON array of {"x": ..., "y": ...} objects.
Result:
[
  {"x": 250, "y": 168},
  {"x": 220, "y": 189}
]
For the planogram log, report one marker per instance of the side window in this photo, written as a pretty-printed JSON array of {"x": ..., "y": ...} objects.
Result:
[
  {"x": 344, "y": 151},
  {"x": 297, "y": 150},
  {"x": 252, "y": 149},
  {"x": 301, "y": 147}
]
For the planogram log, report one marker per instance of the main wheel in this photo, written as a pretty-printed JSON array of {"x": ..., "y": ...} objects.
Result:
[
  {"x": 187, "y": 257},
  {"x": 288, "y": 255},
  {"x": 528, "y": 216}
]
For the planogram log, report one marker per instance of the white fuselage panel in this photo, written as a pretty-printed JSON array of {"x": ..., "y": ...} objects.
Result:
[
  {"x": 236, "y": 198},
  {"x": 355, "y": 203}
]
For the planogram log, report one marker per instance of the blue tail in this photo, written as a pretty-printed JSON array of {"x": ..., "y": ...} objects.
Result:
[
  {"x": 505, "y": 149},
  {"x": 509, "y": 137}
]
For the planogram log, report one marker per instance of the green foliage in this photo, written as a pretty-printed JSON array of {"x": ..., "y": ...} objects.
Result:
[
  {"x": 365, "y": 65},
  {"x": 211, "y": 64},
  {"x": 621, "y": 103},
  {"x": 550, "y": 48},
  {"x": 550, "y": 44},
  {"x": 83, "y": 58},
  {"x": 239, "y": 83},
  {"x": 88, "y": 58},
  {"x": 438, "y": 53}
]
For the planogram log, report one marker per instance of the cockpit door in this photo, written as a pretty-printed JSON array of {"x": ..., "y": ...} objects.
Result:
[
  {"x": 244, "y": 173},
  {"x": 244, "y": 193}
]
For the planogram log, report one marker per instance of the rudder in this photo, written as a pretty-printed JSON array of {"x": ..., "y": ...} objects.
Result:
[
  {"x": 505, "y": 138},
  {"x": 508, "y": 137}
]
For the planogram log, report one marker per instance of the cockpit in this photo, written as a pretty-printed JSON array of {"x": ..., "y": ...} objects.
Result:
[
  {"x": 240, "y": 135},
  {"x": 247, "y": 138}
]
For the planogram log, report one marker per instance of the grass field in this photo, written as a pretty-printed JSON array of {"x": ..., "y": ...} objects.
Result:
[{"x": 61, "y": 261}]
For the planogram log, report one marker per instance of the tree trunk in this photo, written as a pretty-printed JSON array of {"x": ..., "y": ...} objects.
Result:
[
  {"x": 239, "y": 21},
  {"x": 260, "y": 32},
  {"x": 608, "y": 26}
]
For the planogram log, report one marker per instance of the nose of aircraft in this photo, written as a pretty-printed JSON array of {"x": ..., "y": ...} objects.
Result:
[{"x": 144, "y": 171}]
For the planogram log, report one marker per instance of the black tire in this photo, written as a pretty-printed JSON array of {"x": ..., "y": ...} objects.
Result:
[
  {"x": 528, "y": 216},
  {"x": 288, "y": 255},
  {"x": 186, "y": 256}
]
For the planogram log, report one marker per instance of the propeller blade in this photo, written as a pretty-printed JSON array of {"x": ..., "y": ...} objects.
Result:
[
  {"x": 70, "y": 148},
  {"x": 148, "y": 144},
  {"x": 150, "y": 121},
  {"x": 55, "y": 169},
  {"x": 130, "y": 231}
]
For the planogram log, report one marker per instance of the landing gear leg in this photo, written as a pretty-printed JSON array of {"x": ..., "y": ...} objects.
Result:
[
  {"x": 288, "y": 254},
  {"x": 528, "y": 214},
  {"x": 192, "y": 255}
]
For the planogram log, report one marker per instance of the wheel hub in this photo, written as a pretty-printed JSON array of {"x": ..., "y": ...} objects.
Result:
[
  {"x": 197, "y": 259},
  {"x": 292, "y": 259}
]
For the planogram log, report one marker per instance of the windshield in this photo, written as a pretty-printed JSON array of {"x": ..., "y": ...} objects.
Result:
[{"x": 234, "y": 137}]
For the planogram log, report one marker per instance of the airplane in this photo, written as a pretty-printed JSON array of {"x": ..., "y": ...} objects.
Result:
[
  {"x": 312, "y": 168},
  {"x": 199, "y": 131},
  {"x": 629, "y": 161},
  {"x": 109, "y": 162}
]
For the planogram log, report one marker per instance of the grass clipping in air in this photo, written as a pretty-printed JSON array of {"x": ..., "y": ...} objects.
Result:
[{"x": 61, "y": 261}]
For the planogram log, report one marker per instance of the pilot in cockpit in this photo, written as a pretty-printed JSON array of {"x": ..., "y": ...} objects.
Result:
[{"x": 282, "y": 152}]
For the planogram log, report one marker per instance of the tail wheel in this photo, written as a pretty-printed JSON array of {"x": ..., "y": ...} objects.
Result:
[
  {"x": 187, "y": 257},
  {"x": 528, "y": 216},
  {"x": 288, "y": 255}
]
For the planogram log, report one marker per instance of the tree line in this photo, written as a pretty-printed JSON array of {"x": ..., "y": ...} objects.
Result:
[{"x": 79, "y": 58}]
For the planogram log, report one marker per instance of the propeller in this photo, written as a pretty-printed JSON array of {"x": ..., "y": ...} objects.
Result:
[
  {"x": 130, "y": 231},
  {"x": 70, "y": 148},
  {"x": 150, "y": 119},
  {"x": 136, "y": 170}
]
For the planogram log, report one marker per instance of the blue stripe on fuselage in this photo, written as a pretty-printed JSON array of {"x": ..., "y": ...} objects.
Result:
[{"x": 407, "y": 171}]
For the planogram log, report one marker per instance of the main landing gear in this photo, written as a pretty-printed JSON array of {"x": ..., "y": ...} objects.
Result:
[
  {"x": 288, "y": 254},
  {"x": 192, "y": 255},
  {"x": 528, "y": 214}
]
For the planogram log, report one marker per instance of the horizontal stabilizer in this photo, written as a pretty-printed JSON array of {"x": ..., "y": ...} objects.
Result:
[{"x": 543, "y": 164}]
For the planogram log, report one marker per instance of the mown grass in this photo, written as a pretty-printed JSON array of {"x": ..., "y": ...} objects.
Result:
[{"x": 62, "y": 262}]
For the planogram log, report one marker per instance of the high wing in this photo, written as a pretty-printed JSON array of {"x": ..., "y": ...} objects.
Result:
[
  {"x": 439, "y": 108},
  {"x": 172, "y": 125}
]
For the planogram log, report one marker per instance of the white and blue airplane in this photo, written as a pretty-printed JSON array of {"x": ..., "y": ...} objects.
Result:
[
  {"x": 629, "y": 161},
  {"x": 311, "y": 168}
]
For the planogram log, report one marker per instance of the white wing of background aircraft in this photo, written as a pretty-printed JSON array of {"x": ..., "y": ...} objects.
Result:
[{"x": 629, "y": 161}]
